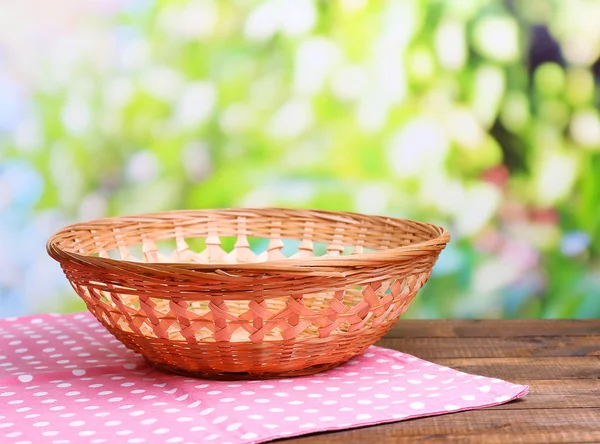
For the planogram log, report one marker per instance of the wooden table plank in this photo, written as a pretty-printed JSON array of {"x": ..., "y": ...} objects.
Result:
[
  {"x": 428, "y": 348},
  {"x": 493, "y": 328},
  {"x": 528, "y": 368},
  {"x": 477, "y": 426},
  {"x": 567, "y": 393}
]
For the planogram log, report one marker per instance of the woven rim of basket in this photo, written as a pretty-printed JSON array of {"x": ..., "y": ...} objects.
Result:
[{"x": 326, "y": 265}]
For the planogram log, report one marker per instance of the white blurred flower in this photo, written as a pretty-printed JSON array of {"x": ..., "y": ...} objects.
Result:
[
  {"x": 197, "y": 161},
  {"x": 291, "y": 17},
  {"x": 399, "y": 22},
  {"x": 442, "y": 193},
  {"x": 386, "y": 82},
  {"x": 265, "y": 91},
  {"x": 556, "y": 174},
  {"x": 142, "y": 167},
  {"x": 419, "y": 145},
  {"x": 479, "y": 204},
  {"x": 387, "y": 67},
  {"x": 299, "y": 16},
  {"x": 196, "y": 104},
  {"x": 389, "y": 76},
  {"x": 372, "y": 112},
  {"x": 438, "y": 102},
  {"x": 118, "y": 93},
  {"x": 259, "y": 197},
  {"x": 451, "y": 45},
  {"x": 465, "y": 129},
  {"x": 585, "y": 128},
  {"x": 263, "y": 22},
  {"x": 489, "y": 86},
  {"x": 157, "y": 195},
  {"x": 372, "y": 199},
  {"x": 135, "y": 54},
  {"x": 93, "y": 206},
  {"x": 579, "y": 51},
  {"x": 162, "y": 82},
  {"x": 352, "y": 6},
  {"x": 349, "y": 82},
  {"x": 292, "y": 119},
  {"x": 576, "y": 27},
  {"x": 305, "y": 153},
  {"x": 471, "y": 207},
  {"x": 421, "y": 63},
  {"x": 497, "y": 38},
  {"x": 236, "y": 117},
  {"x": 314, "y": 61},
  {"x": 194, "y": 19},
  {"x": 97, "y": 49},
  {"x": 28, "y": 134},
  {"x": 76, "y": 115}
]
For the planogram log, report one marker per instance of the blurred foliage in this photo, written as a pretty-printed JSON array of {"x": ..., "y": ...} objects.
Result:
[{"x": 480, "y": 115}]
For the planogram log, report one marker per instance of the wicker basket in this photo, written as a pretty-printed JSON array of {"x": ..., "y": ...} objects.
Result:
[{"x": 237, "y": 314}]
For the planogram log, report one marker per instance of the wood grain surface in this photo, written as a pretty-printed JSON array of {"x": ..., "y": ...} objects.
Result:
[{"x": 558, "y": 359}]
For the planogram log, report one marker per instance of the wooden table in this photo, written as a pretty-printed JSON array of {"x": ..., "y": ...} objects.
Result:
[{"x": 558, "y": 359}]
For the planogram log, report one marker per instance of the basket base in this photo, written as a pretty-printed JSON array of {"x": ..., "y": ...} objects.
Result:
[{"x": 237, "y": 376}]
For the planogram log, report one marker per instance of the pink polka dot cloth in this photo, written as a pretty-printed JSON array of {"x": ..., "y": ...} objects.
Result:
[{"x": 65, "y": 379}]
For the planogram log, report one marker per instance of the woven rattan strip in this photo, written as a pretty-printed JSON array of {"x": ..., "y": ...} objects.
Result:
[{"x": 297, "y": 291}]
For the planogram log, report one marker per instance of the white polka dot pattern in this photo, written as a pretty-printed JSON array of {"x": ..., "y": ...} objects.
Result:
[{"x": 65, "y": 379}]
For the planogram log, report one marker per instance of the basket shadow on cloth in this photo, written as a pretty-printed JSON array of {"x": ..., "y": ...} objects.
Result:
[{"x": 164, "y": 285}]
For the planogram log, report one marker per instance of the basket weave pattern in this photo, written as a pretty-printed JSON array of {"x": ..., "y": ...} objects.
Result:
[{"x": 237, "y": 314}]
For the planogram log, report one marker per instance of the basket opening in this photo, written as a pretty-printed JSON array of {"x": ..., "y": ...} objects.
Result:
[
  {"x": 316, "y": 233},
  {"x": 224, "y": 249}
]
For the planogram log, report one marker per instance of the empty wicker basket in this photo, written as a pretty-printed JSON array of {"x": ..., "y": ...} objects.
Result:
[{"x": 238, "y": 314}]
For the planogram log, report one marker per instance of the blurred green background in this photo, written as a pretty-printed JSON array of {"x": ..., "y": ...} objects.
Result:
[{"x": 480, "y": 115}]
